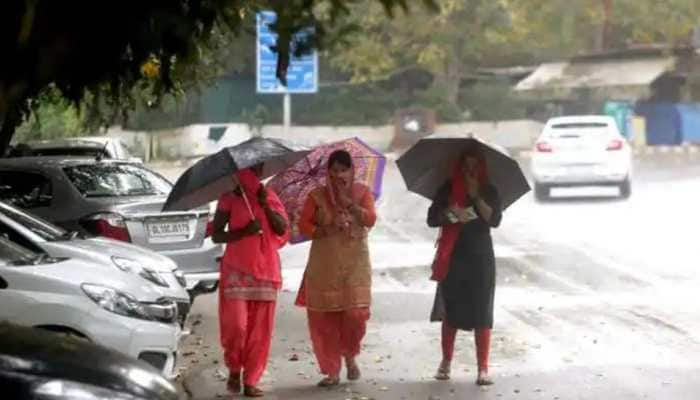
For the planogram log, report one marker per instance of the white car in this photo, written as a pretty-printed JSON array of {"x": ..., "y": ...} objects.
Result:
[
  {"x": 581, "y": 150},
  {"x": 120, "y": 311},
  {"x": 39, "y": 235}
]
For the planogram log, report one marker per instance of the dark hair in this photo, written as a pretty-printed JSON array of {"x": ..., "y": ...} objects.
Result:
[{"x": 341, "y": 157}]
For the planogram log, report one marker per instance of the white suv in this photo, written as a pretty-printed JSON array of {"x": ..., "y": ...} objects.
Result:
[
  {"x": 581, "y": 150},
  {"x": 120, "y": 311}
]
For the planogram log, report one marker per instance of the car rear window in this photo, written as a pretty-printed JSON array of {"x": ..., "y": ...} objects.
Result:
[
  {"x": 25, "y": 189},
  {"x": 70, "y": 152},
  {"x": 116, "y": 180},
  {"x": 574, "y": 130},
  {"x": 580, "y": 125}
]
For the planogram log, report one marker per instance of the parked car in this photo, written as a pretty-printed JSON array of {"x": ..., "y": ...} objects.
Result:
[
  {"x": 77, "y": 298},
  {"x": 40, "y": 365},
  {"x": 39, "y": 235},
  {"x": 581, "y": 150},
  {"x": 92, "y": 146},
  {"x": 115, "y": 199}
]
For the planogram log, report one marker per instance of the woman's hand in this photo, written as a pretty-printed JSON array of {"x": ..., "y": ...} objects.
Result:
[
  {"x": 462, "y": 214},
  {"x": 345, "y": 199},
  {"x": 253, "y": 228},
  {"x": 342, "y": 220}
]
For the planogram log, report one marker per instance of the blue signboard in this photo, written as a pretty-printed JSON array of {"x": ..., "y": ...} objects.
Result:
[{"x": 302, "y": 74}]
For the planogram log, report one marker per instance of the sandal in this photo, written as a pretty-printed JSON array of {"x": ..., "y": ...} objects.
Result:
[
  {"x": 252, "y": 391},
  {"x": 483, "y": 379},
  {"x": 443, "y": 372},
  {"x": 329, "y": 382},
  {"x": 233, "y": 384},
  {"x": 353, "y": 370}
]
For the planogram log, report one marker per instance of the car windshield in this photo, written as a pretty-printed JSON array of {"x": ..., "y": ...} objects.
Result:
[
  {"x": 13, "y": 254},
  {"x": 43, "y": 229},
  {"x": 116, "y": 180}
]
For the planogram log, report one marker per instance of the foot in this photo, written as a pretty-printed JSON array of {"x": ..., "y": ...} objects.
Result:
[
  {"x": 353, "y": 369},
  {"x": 443, "y": 372},
  {"x": 234, "y": 382},
  {"x": 483, "y": 379},
  {"x": 329, "y": 381},
  {"x": 252, "y": 391}
]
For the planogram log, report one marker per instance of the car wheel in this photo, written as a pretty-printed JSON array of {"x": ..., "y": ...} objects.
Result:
[
  {"x": 541, "y": 192},
  {"x": 626, "y": 189}
]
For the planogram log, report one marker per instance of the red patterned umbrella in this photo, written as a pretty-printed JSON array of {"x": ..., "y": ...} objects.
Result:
[{"x": 294, "y": 184}]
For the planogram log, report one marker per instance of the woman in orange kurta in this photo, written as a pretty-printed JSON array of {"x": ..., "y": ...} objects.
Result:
[{"x": 336, "y": 289}]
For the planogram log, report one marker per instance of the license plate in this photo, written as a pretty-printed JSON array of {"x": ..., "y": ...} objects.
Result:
[{"x": 168, "y": 229}]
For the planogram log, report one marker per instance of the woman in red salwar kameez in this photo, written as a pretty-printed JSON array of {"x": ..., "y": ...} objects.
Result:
[{"x": 250, "y": 277}]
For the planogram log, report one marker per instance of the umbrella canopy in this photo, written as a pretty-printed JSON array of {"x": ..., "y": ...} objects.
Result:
[
  {"x": 295, "y": 183},
  {"x": 426, "y": 166},
  {"x": 211, "y": 176}
]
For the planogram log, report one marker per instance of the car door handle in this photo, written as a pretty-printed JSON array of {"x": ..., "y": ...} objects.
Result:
[{"x": 3, "y": 283}]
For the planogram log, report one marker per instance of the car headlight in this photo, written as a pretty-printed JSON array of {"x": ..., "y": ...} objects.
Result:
[
  {"x": 115, "y": 301},
  {"x": 180, "y": 277},
  {"x": 128, "y": 265},
  {"x": 68, "y": 390}
]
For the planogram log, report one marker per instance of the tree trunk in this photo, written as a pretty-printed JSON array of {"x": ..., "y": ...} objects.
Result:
[
  {"x": 10, "y": 120},
  {"x": 448, "y": 82},
  {"x": 11, "y": 96}
]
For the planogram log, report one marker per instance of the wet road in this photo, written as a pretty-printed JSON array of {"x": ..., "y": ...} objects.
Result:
[{"x": 596, "y": 297}]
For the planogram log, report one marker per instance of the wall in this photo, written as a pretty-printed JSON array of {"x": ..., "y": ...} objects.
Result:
[{"x": 194, "y": 140}]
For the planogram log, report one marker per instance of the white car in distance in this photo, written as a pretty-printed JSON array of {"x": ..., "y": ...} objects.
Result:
[{"x": 581, "y": 150}]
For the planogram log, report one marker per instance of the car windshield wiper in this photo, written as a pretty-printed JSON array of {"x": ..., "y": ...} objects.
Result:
[
  {"x": 71, "y": 235},
  {"x": 140, "y": 193},
  {"x": 102, "y": 194},
  {"x": 39, "y": 259}
]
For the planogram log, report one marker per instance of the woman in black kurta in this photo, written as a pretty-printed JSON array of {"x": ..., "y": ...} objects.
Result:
[{"x": 465, "y": 296}]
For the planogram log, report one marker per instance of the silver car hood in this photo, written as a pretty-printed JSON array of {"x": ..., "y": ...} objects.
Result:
[{"x": 100, "y": 248}]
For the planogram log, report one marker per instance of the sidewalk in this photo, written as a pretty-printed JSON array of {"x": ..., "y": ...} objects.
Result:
[{"x": 401, "y": 351}]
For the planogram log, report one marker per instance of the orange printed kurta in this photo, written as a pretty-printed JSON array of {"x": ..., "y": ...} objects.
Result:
[{"x": 338, "y": 274}]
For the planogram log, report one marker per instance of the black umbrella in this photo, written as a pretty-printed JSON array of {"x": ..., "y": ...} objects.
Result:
[
  {"x": 211, "y": 176},
  {"x": 426, "y": 166}
]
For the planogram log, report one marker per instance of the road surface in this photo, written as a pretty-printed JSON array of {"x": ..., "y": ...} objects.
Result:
[{"x": 596, "y": 298}]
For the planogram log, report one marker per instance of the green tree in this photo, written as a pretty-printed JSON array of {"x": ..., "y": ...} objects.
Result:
[
  {"x": 115, "y": 54},
  {"x": 54, "y": 117},
  {"x": 452, "y": 44},
  {"x": 559, "y": 28}
]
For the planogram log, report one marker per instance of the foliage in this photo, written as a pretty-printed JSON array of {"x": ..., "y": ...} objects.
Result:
[
  {"x": 114, "y": 54},
  {"x": 54, "y": 118},
  {"x": 256, "y": 119}
]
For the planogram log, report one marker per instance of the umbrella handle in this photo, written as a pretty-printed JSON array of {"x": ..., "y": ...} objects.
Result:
[{"x": 250, "y": 209}]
